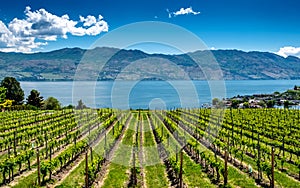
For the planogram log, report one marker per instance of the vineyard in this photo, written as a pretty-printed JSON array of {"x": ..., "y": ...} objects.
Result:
[{"x": 150, "y": 148}]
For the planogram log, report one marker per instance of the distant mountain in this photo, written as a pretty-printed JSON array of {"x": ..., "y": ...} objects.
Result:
[{"x": 63, "y": 64}]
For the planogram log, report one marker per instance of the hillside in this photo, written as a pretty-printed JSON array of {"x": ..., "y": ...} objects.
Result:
[{"x": 62, "y": 65}]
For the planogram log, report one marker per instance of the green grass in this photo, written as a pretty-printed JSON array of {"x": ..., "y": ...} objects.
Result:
[
  {"x": 237, "y": 178},
  {"x": 155, "y": 174},
  {"x": 29, "y": 181},
  {"x": 75, "y": 178},
  {"x": 193, "y": 175},
  {"x": 285, "y": 181},
  {"x": 117, "y": 176},
  {"x": 119, "y": 169}
]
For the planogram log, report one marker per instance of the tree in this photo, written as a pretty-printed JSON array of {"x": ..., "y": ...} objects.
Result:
[
  {"x": 2, "y": 94},
  {"x": 215, "y": 101},
  {"x": 3, "y": 101},
  {"x": 246, "y": 105},
  {"x": 276, "y": 93},
  {"x": 270, "y": 103},
  {"x": 70, "y": 106},
  {"x": 14, "y": 91},
  {"x": 35, "y": 99},
  {"x": 286, "y": 104},
  {"x": 51, "y": 103},
  {"x": 80, "y": 105},
  {"x": 235, "y": 103}
]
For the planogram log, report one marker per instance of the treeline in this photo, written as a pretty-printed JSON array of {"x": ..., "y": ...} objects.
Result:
[{"x": 12, "y": 98}]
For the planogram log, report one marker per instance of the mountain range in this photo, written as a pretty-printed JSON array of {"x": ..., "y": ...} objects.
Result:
[{"x": 110, "y": 63}]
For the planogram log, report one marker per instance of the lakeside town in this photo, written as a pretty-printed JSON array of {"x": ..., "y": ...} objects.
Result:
[{"x": 287, "y": 99}]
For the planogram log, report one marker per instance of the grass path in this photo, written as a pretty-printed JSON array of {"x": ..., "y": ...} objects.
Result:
[
  {"x": 119, "y": 169},
  {"x": 156, "y": 175}
]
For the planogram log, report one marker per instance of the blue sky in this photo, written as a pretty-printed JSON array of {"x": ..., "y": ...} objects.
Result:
[{"x": 261, "y": 25}]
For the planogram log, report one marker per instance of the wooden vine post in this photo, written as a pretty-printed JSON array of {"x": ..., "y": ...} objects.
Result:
[
  {"x": 105, "y": 147},
  {"x": 176, "y": 153},
  {"x": 226, "y": 170},
  {"x": 272, "y": 170},
  {"x": 258, "y": 159},
  {"x": 46, "y": 139},
  {"x": 50, "y": 153},
  {"x": 133, "y": 169},
  {"x": 180, "y": 171},
  {"x": 15, "y": 150},
  {"x": 105, "y": 140},
  {"x": 86, "y": 170},
  {"x": 75, "y": 141},
  {"x": 8, "y": 151},
  {"x": 91, "y": 150},
  {"x": 39, "y": 166}
]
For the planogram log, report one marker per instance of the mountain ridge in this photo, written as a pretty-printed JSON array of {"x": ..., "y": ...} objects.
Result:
[{"x": 61, "y": 65}]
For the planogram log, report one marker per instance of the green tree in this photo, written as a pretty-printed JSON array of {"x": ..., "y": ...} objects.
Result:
[
  {"x": 80, "y": 105},
  {"x": 4, "y": 103},
  {"x": 295, "y": 87},
  {"x": 246, "y": 104},
  {"x": 51, "y": 103},
  {"x": 276, "y": 93},
  {"x": 286, "y": 104},
  {"x": 14, "y": 91},
  {"x": 2, "y": 94},
  {"x": 35, "y": 99},
  {"x": 70, "y": 106},
  {"x": 235, "y": 103},
  {"x": 270, "y": 103},
  {"x": 215, "y": 101}
]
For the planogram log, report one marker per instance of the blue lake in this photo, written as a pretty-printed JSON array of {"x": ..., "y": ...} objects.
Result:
[{"x": 153, "y": 94}]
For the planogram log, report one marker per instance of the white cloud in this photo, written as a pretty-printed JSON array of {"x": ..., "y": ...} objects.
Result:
[
  {"x": 88, "y": 21},
  {"x": 40, "y": 26},
  {"x": 289, "y": 51},
  {"x": 183, "y": 11}
]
